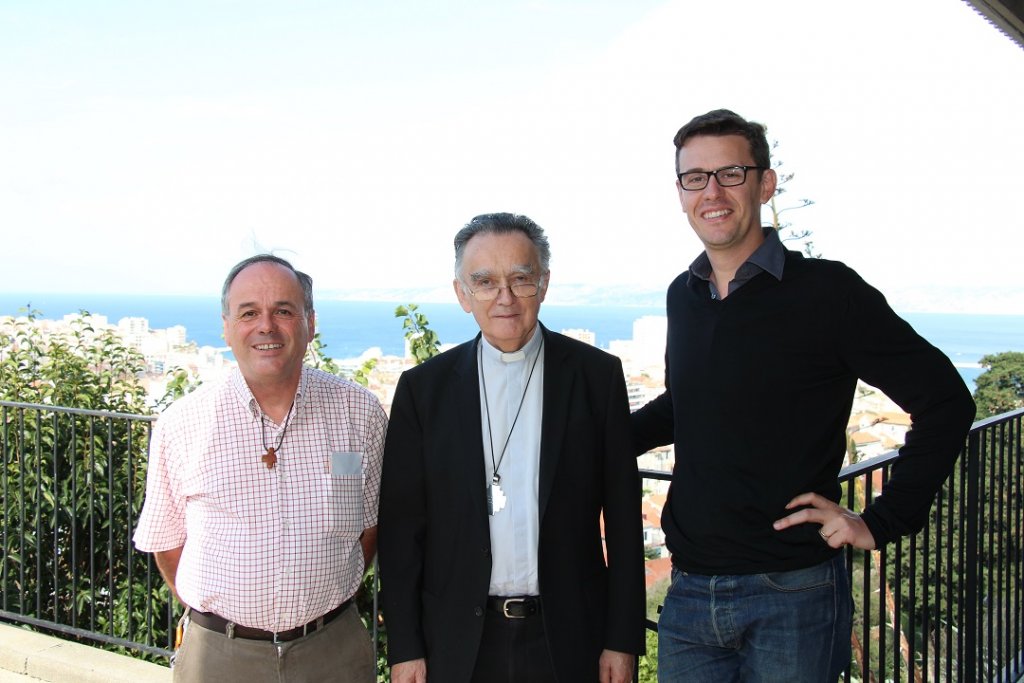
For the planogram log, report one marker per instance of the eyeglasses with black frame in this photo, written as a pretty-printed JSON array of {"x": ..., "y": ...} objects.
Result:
[
  {"x": 520, "y": 290},
  {"x": 727, "y": 176}
]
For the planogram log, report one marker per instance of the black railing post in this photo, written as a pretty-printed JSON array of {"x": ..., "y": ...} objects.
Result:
[
  {"x": 72, "y": 511},
  {"x": 111, "y": 590},
  {"x": 969, "y": 665},
  {"x": 947, "y": 548},
  {"x": 994, "y": 586},
  {"x": 55, "y": 492},
  {"x": 5, "y": 568},
  {"x": 92, "y": 525},
  {"x": 129, "y": 514},
  {"x": 1014, "y": 556},
  {"x": 38, "y": 516},
  {"x": 22, "y": 590},
  {"x": 865, "y": 636}
]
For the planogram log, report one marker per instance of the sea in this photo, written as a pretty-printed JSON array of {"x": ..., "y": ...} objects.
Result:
[{"x": 349, "y": 328}]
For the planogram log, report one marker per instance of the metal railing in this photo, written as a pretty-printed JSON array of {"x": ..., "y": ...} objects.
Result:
[
  {"x": 943, "y": 605},
  {"x": 71, "y": 487},
  {"x": 946, "y": 603}
]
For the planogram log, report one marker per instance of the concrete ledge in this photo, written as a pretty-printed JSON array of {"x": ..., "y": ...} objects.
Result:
[{"x": 35, "y": 656}]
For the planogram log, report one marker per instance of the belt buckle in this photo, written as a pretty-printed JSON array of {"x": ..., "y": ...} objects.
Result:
[{"x": 512, "y": 601}]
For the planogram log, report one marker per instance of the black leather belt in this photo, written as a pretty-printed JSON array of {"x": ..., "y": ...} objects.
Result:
[
  {"x": 515, "y": 608},
  {"x": 215, "y": 622}
]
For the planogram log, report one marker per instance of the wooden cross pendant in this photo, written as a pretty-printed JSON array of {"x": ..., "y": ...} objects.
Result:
[{"x": 270, "y": 458}]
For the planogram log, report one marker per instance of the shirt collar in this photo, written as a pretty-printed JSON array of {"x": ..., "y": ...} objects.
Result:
[
  {"x": 770, "y": 256},
  {"x": 244, "y": 393},
  {"x": 495, "y": 355}
]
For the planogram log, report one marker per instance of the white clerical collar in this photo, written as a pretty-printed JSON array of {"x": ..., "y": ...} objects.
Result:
[{"x": 495, "y": 354}]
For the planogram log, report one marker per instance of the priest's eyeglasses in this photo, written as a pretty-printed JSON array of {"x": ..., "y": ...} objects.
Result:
[
  {"x": 727, "y": 176},
  {"x": 520, "y": 290}
]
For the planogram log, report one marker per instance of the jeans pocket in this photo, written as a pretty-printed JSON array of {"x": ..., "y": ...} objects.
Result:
[{"x": 797, "y": 580}]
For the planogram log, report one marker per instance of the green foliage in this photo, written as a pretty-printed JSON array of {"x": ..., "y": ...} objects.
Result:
[
  {"x": 423, "y": 342},
  {"x": 648, "y": 664},
  {"x": 81, "y": 368},
  {"x": 1001, "y": 387},
  {"x": 180, "y": 382},
  {"x": 362, "y": 374},
  {"x": 316, "y": 358},
  {"x": 73, "y": 483},
  {"x": 647, "y": 667}
]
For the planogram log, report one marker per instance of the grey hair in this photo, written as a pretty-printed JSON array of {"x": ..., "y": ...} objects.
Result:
[
  {"x": 502, "y": 224},
  {"x": 305, "y": 281}
]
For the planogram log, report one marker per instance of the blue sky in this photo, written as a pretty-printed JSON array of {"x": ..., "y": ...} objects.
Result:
[{"x": 146, "y": 147}]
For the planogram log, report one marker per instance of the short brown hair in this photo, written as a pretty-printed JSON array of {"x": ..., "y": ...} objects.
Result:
[{"x": 725, "y": 122}]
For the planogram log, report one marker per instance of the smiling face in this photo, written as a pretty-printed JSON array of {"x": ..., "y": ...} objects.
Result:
[
  {"x": 502, "y": 259},
  {"x": 726, "y": 219},
  {"x": 266, "y": 325}
]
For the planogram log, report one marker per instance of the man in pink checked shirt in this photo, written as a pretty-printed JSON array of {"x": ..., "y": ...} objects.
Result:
[{"x": 261, "y": 498}]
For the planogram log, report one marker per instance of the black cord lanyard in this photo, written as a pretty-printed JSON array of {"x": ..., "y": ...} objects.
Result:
[
  {"x": 496, "y": 478},
  {"x": 270, "y": 457}
]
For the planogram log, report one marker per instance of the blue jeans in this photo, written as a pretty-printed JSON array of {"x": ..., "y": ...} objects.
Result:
[{"x": 785, "y": 626}]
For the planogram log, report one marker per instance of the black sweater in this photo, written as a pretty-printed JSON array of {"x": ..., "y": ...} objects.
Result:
[{"x": 759, "y": 388}]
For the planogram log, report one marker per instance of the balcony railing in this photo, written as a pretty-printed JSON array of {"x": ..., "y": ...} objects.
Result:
[
  {"x": 944, "y": 605},
  {"x": 71, "y": 487}
]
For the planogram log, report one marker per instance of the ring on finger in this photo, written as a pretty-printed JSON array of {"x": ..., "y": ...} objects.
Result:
[{"x": 824, "y": 536}]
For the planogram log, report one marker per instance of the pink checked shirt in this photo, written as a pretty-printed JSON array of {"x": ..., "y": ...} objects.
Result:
[{"x": 265, "y": 548}]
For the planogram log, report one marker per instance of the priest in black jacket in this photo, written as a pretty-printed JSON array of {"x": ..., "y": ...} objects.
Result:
[
  {"x": 502, "y": 455},
  {"x": 763, "y": 354}
]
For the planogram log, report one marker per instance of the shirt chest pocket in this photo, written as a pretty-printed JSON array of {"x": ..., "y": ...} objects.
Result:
[{"x": 343, "y": 486}]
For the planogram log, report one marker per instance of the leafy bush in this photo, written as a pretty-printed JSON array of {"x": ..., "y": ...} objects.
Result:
[{"x": 73, "y": 482}]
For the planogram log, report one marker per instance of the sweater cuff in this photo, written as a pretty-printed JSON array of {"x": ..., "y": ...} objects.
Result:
[{"x": 877, "y": 528}]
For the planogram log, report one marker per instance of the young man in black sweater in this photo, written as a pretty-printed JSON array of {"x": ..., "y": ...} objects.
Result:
[{"x": 764, "y": 351}]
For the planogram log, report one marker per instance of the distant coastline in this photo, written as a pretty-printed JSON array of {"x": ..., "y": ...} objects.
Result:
[
  {"x": 349, "y": 328},
  {"x": 932, "y": 299}
]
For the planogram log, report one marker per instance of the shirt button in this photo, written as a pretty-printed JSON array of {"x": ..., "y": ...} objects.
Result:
[
  {"x": 485, "y": 550},
  {"x": 478, "y": 611}
]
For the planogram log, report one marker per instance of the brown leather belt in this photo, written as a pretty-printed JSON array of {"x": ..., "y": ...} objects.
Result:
[
  {"x": 215, "y": 622},
  {"x": 515, "y": 608}
]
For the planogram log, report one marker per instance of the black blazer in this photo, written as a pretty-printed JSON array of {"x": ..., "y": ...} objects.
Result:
[{"x": 434, "y": 539}]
